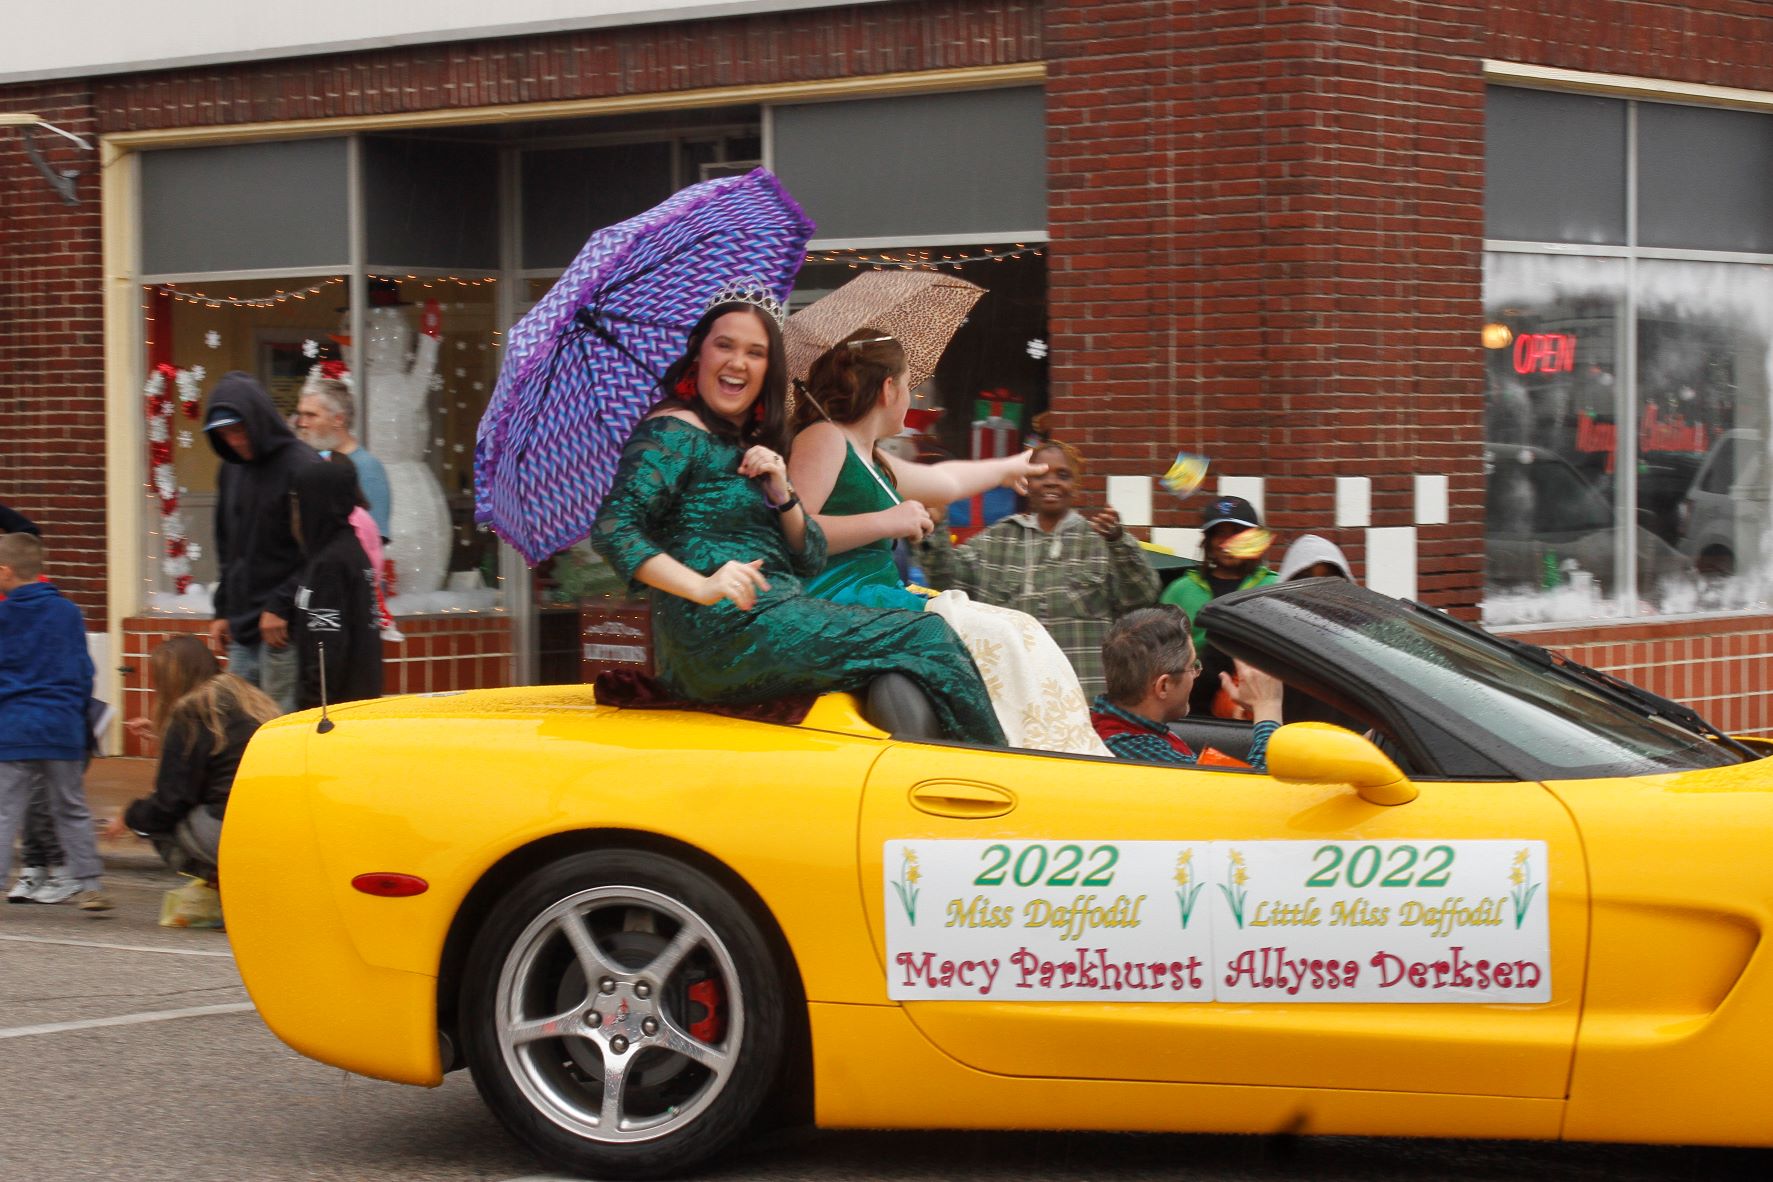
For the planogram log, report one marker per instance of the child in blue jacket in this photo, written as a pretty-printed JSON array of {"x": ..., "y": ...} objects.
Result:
[{"x": 45, "y": 679}]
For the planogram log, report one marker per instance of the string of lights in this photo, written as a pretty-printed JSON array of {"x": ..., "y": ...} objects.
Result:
[
  {"x": 440, "y": 280},
  {"x": 923, "y": 259},
  {"x": 205, "y": 300},
  {"x": 202, "y": 299}
]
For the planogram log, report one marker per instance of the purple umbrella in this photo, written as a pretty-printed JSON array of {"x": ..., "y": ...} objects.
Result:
[{"x": 583, "y": 366}]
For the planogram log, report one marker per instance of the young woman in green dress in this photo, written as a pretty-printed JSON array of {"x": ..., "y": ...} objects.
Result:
[
  {"x": 863, "y": 498},
  {"x": 702, "y": 511}
]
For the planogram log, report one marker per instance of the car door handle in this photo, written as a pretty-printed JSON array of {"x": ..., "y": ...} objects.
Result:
[{"x": 961, "y": 798}]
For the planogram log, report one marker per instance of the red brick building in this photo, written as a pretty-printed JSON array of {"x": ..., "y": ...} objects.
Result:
[{"x": 1474, "y": 290}]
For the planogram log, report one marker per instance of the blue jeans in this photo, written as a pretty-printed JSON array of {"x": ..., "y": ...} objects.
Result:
[
  {"x": 271, "y": 669},
  {"x": 63, "y": 784}
]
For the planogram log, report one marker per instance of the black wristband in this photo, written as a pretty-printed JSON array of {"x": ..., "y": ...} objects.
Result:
[{"x": 788, "y": 504}]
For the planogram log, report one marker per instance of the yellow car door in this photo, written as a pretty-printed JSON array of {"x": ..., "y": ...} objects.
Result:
[{"x": 1073, "y": 917}]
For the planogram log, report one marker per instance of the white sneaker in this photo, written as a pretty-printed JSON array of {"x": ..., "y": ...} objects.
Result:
[
  {"x": 30, "y": 879},
  {"x": 56, "y": 889}
]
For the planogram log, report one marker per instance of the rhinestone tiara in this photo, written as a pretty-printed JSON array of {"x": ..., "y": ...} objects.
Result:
[{"x": 749, "y": 289}]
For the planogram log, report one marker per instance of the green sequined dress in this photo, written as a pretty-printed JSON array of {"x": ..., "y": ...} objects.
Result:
[{"x": 678, "y": 491}]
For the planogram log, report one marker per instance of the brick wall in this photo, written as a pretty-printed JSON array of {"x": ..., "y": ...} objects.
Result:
[
  {"x": 1715, "y": 42},
  {"x": 1721, "y": 667},
  {"x": 52, "y": 401},
  {"x": 817, "y": 44},
  {"x": 1267, "y": 234}
]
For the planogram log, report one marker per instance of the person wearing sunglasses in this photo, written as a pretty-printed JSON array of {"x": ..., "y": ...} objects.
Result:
[{"x": 1150, "y": 663}]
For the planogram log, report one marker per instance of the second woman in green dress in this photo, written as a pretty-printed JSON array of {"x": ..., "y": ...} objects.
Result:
[{"x": 858, "y": 393}]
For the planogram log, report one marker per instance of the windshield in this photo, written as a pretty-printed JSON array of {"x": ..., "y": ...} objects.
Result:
[{"x": 1565, "y": 727}]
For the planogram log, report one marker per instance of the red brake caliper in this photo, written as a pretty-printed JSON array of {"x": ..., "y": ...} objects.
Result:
[{"x": 709, "y": 1027}]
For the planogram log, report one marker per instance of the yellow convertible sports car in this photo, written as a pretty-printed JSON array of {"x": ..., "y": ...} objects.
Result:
[{"x": 1478, "y": 892}]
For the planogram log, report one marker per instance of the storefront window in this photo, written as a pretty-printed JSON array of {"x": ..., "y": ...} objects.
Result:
[
  {"x": 273, "y": 329},
  {"x": 448, "y": 236},
  {"x": 1704, "y": 337},
  {"x": 430, "y": 365},
  {"x": 1628, "y": 391},
  {"x": 1550, "y": 427}
]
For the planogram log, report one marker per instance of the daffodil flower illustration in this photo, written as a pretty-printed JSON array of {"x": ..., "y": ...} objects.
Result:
[
  {"x": 1190, "y": 890},
  {"x": 905, "y": 884},
  {"x": 1521, "y": 875},
  {"x": 1233, "y": 886}
]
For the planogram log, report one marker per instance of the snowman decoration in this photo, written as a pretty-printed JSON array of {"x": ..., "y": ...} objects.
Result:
[{"x": 399, "y": 381}]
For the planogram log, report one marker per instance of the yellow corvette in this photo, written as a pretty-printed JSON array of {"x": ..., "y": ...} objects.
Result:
[{"x": 1506, "y": 897}]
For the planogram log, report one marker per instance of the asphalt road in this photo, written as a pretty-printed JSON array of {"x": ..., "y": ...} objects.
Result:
[{"x": 129, "y": 1051}]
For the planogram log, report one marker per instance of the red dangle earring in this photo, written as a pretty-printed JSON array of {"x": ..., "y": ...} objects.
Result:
[
  {"x": 686, "y": 385},
  {"x": 757, "y": 410}
]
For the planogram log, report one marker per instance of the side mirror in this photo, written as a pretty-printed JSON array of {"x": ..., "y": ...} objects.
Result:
[{"x": 1319, "y": 753}]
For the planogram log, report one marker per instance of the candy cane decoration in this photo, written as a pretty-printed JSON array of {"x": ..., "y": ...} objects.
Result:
[{"x": 161, "y": 476}]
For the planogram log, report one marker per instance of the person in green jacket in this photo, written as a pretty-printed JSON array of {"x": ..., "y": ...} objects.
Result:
[{"x": 1220, "y": 574}]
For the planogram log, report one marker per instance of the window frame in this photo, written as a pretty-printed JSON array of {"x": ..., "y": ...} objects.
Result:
[{"x": 1633, "y": 94}]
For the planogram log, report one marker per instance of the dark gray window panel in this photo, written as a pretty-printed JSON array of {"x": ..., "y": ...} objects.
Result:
[
  {"x": 245, "y": 207},
  {"x": 968, "y": 163},
  {"x": 1705, "y": 178},
  {"x": 431, "y": 203},
  {"x": 570, "y": 192},
  {"x": 1554, "y": 167}
]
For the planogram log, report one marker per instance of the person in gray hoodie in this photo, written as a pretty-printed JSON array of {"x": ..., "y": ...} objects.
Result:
[
  {"x": 261, "y": 564},
  {"x": 1310, "y": 557}
]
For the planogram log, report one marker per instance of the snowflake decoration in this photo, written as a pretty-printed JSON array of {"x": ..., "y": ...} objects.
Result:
[
  {"x": 439, "y": 441},
  {"x": 461, "y": 345},
  {"x": 480, "y": 385},
  {"x": 310, "y": 348},
  {"x": 184, "y": 439},
  {"x": 460, "y": 372},
  {"x": 213, "y": 339},
  {"x": 459, "y": 449},
  {"x": 1037, "y": 348},
  {"x": 194, "y": 551},
  {"x": 435, "y": 384}
]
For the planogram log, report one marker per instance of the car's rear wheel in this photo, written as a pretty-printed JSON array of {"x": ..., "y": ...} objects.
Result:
[{"x": 621, "y": 1014}]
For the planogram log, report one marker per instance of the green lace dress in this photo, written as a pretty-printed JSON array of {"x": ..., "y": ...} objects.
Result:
[
  {"x": 678, "y": 491},
  {"x": 866, "y": 575}
]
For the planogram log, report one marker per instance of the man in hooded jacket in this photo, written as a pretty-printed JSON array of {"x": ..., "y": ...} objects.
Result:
[
  {"x": 260, "y": 561},
  {"x": 338, "y": 633}
]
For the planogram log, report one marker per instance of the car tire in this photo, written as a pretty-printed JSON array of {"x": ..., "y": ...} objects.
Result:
[{"x": 630, "y": 960}]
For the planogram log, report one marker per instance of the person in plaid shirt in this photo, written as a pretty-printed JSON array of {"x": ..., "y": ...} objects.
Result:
[
  {"x": 1073, "y": 574},
  {"x": 1150, "y": 665}
]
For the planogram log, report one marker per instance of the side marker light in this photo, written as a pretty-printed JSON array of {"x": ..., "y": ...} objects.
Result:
[{"x": 391, "y": 886}]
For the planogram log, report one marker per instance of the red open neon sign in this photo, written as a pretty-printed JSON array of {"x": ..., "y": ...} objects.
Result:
[{"x": 1544, "y": 352}]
